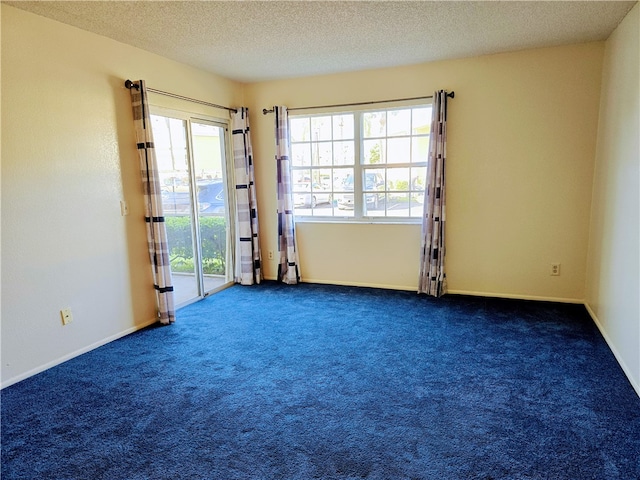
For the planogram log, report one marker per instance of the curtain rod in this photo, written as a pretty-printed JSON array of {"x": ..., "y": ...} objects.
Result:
[
  {"x": 129, "y": 84},
  {"x": 450, "y": 95}
]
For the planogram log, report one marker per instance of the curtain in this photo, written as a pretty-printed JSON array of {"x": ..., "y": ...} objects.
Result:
[
  {"x": 248, "y": 256},
  {"x": 432, "y": 279},
  {"x": 156, "y": 231},
  {"x": 288, "y": 257}
]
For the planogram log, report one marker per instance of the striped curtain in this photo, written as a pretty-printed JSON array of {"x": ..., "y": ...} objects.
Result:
[
  {"x": 248, "y": 257},
  {"x": 433, "y": 280},
  {"x": 288, "y": 271},
  {"x": 156, "y": 231}
]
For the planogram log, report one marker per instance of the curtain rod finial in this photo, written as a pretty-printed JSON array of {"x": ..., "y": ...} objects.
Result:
[
  {"x": 129, "y": 84},
  {"x": 451, "y": 95}
]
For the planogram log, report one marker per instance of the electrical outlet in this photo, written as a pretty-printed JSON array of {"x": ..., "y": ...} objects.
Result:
[
  {"x": 555, "y": 269},
  {"x": 67, "y": 318},
  {"x": 124, "y": 208},
  {"x": 270, "y": 254}
]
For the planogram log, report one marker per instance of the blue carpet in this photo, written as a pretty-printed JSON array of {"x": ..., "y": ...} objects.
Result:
[{"x": 310, "y": 381}]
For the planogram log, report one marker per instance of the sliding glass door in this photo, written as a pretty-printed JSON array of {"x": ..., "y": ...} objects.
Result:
[{"x": 193, "y": 174}]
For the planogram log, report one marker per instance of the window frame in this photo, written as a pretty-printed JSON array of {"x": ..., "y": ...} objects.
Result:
[{"x": 359, "y": 167}]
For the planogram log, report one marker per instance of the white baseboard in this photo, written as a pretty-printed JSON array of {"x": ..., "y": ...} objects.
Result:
[
  {"x": 517, "y": 296},
  {"x": 77, "y": 353},
  {"x": 414, "y": 288},
  {"x": 623, "y": 365},
  {"x": 361, "y": 284}
]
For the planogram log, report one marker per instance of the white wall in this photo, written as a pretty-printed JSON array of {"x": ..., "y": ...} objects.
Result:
[
  {"x": 68, "y": 158},
  {"x": 613, "y": 269},
  {"x": 521, "y": 145}
]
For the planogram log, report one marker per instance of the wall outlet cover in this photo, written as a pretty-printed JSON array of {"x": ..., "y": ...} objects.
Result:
[{"x": 66, "y": 316}]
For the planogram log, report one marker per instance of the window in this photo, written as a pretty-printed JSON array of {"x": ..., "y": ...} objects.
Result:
[{"x": 360, "y": 166}]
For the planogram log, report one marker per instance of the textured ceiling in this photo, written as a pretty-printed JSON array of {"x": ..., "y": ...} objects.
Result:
[{"x": 254, "y": 41}]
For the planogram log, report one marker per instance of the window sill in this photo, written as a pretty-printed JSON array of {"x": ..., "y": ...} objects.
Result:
[{"x": 356, "y": 221}]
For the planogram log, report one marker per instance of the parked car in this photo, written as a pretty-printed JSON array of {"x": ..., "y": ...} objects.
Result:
[
  {"x": 211, "y": 199},
  {"x": 373, "y": 181},
  {"x": 310, "y": 195}
]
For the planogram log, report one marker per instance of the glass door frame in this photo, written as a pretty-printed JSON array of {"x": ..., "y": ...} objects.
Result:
[{"x": 227, "y": 159}]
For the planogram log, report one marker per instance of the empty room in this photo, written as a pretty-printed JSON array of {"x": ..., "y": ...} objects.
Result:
[{"x": 309, "y": 239}]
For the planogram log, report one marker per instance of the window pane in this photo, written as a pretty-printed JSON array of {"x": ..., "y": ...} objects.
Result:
[
  {"x": 399, "y": 122},
  {"x": 301, "y": 186},
  {"x": 322, "y": 179},
  {"x": 421, "y": 123},
  {"x": 374, "y": 204},
  {"x": 322, "y": 154},
  {"x": 343, "y": 127},
  {"x": 320, "y": 128},
  {"x": 322, "y": 196},
  {"x": 374, "y": 151},
  {"x": 208, "y": 157},
  {"x": 398, "y": 179},
  {"x": 300, "y": 177},
  {"x": 343, "y": 153},
  {"x": 343, "y": 179},
  {"x": 171, "y": 144},
  {"x": 398, "y": 205},
  {"x": 399, "y": 150},
  {"x": 302, "y": 195},
  {"x": 418, "y": 178},
  {"x": 323, "y": 210},
  {"x": 420, "y": 149},
  {"x": 374, "y": 124},
  {"x": 301, "y": 154},
  {"x": 311, "y": 194},
  {"x": 417, "y": 205},
  {"x": 160, "y": 127},
  {"x": 374, "y": 180},
  {"x": 299, "y": 129}
]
